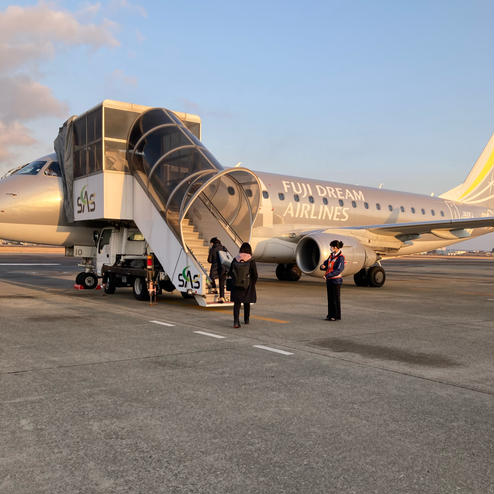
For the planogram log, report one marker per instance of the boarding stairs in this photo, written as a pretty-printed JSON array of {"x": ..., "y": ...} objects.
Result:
[{"x": 183, "y": 197}]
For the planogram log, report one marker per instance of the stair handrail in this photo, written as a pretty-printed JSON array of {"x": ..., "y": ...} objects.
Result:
[{"x": 217, "y": 214}]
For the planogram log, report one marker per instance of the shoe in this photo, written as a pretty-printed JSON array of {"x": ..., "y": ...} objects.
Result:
[
  {"x": 246, "y": 321},
  {"x": 236, "y": 325},
  {"x": 328, "y": 318},
  {"x": 221, "y": 300}
]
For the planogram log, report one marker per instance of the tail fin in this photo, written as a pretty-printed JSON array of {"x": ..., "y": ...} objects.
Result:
[{"x": 478, "y": 188}]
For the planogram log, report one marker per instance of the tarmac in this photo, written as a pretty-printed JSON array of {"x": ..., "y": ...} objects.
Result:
[{"x": 105, "y": 394}]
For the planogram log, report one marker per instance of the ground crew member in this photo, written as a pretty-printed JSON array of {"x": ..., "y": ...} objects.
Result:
[{"x": 333, "y": 266}]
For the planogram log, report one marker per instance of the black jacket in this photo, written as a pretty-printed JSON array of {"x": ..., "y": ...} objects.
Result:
[
  {"x": 248, "y": 295},
  {"x": 216, "y": 268}
]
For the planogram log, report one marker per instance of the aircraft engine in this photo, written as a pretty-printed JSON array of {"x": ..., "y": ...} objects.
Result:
[{"x": 313, "y": 250}]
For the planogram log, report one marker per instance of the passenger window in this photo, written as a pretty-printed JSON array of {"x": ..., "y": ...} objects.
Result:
[
  {"x": 390, "y": 207},
  {"x": 231, "y": 190},
  {"x": 296, "y": 197},
  {"x": 248, "y": 192},
  {"x": 423, "y": 211},
  {"x": 433, "y": 212},
  {"x": 413, "y": 210},
  {"x": 281, "y": 196},
  {"x": 366, "y": 205},
  {"x": 311, "y": 199},
  {"x": 340, "y": 202},
  {"x": 354, "y": 204},
  {"x": 402, "y": 209},
  {"x": 442, "y": 213},
  {"x": 265, "y": 194},
  {"x": 378, "y": 206},
  {"x": 325, "y": 200},
  {"x": 53, "y": 170}
]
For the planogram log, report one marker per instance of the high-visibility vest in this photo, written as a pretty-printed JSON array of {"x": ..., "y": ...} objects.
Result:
[{"x": 331, "y": 266}]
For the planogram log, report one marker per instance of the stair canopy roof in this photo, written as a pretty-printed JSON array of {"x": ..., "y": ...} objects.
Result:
[{"x": 182, "y": 177}]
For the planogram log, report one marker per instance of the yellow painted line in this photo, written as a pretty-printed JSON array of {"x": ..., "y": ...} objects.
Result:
[
  {"x": 270, "y": 319},
  {"x": 224, "y": 311}
]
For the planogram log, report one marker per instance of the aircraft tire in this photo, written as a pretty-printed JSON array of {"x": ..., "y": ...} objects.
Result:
[
  {"x": 361, "y": 278},
  {"x": 293, "y": 272},
  {"x": 140, "y": 289},
  {"x": 78, "y": 278},
  {"x": 282, "y": 272},
  {"x": 89, "y": 281},
  {"x": 376, "y": 276},
  {"x": 187, "y": 295},
  {"x": 110, "y": 285}
]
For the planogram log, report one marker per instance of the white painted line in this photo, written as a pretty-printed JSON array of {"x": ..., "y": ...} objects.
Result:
[
  {"x": 209, "y": 334},
  {"x": 269, "y": 349},
  {"x": 29, "y": 264},
  {"x": 162, "y": 323},
  {"x": 490, "y": 299}
]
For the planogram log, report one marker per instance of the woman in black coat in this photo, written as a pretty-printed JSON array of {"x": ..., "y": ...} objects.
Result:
[
  {"x": 243, "y": 290},
  {"x": 217, "y": 270}
]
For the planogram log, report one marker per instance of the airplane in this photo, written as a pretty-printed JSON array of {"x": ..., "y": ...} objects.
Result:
[{"x": 295, "y": 220}]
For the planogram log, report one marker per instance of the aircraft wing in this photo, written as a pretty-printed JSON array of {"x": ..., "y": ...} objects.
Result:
[{"x": 444, "y": 228}]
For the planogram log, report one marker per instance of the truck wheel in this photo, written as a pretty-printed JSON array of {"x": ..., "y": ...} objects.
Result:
[
  {"x": 110, "y": 285},
  {"x": 167, "y": 285},
  {"x": 89, "y": 281},
  {"x": 140, "y": 289}
]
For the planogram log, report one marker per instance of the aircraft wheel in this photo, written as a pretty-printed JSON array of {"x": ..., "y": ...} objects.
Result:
[
  {"x": 293, "y": 272},
  {"x": 110, "y": 285},
  {"x": 78, "y": 278},
  {"x": 89, "y": 281},
  {"x": 187, "y": 295},
  {"x": 376, "y": 276},
  {"x": 140, "y": 289},
  {"x": 361, "y": 278},
  {"x": 281, "y": 272}
]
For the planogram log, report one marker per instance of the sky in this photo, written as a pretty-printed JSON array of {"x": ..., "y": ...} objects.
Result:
[{"x": 397, "y": 93}]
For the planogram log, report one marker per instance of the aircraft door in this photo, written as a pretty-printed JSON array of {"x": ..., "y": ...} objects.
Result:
[{"x": 103, "y": 254}]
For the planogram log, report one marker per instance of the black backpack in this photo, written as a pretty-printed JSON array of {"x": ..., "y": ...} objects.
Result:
[{"x": 241, "y": 274}]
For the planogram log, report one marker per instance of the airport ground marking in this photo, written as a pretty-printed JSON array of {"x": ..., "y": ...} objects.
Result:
[
  {"x": 162, "y": 323},
  {"x": 269, "y": 349},
  {"x": 212, "y": 335},
  {"x": 29, "y": 264}
]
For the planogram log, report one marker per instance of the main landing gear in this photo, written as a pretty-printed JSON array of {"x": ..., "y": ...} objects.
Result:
[
  {"x": 374, "y": 276},
  {"x": 288, "y": 272}
]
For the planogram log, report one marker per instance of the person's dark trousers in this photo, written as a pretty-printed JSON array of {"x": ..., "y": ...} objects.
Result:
[
  {"x": 222, "y": 280},
  {"x": 246, "y": 313},
  {"x": 334, "y": 309},
  {"x": 236, "y": 312}
]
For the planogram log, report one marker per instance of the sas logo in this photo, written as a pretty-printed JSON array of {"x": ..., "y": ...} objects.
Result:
[
  {"x": 85, "y": 202},
  {"x": 185, "y": 278}
]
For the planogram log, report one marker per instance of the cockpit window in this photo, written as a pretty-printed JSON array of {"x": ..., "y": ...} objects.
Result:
[
  {"x": 53, "y": 170},
  {"x": 32, "y": 168}
]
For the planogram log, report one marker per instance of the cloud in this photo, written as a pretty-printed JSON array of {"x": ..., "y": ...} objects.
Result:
[
  {"x": 12, "y": 135},
  {"x": 22, "y": 98},
  {"x": 28, "y": 36},
  {"x": 119, "y": 76},
  {"x": 125, "y": 4}
]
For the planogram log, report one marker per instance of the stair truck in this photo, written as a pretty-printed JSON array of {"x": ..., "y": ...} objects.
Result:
[{"x": 154, "y": 194}]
